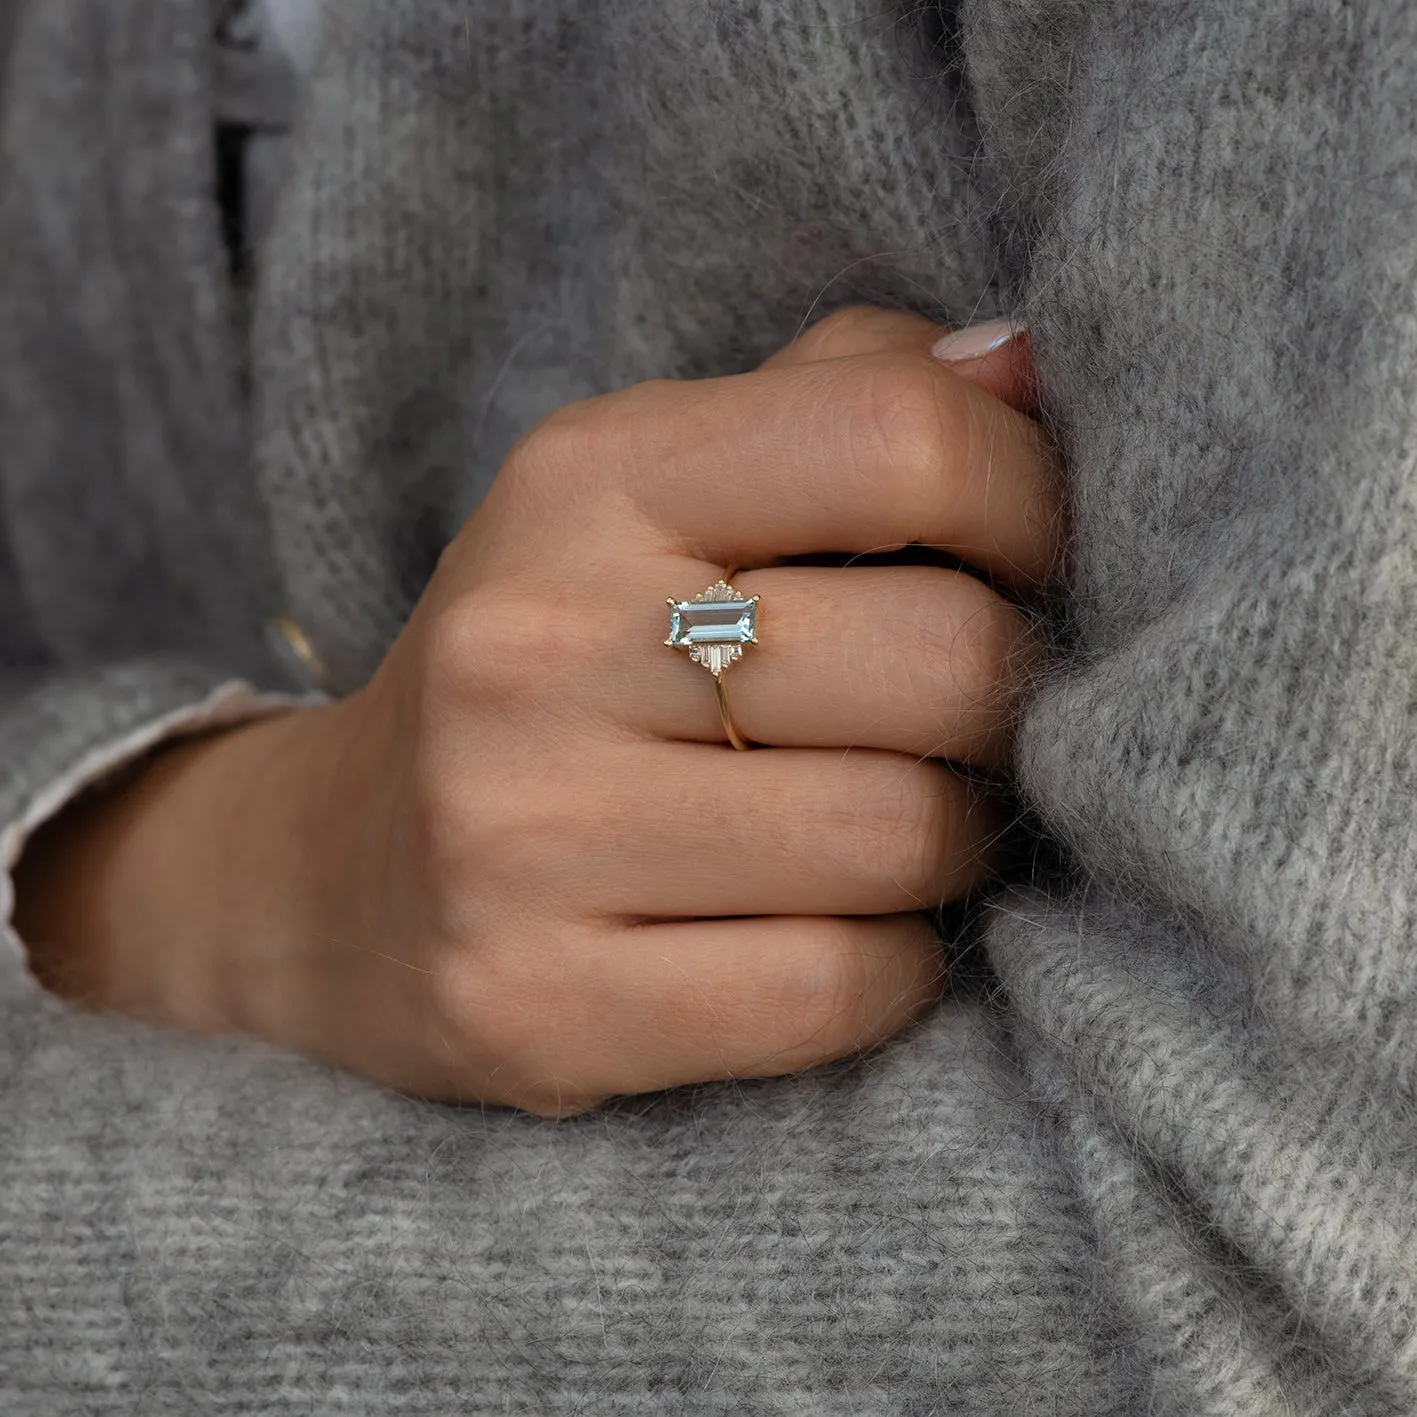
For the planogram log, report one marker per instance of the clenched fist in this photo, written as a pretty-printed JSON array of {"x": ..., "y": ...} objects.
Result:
[{"x": 522, "y": 864}]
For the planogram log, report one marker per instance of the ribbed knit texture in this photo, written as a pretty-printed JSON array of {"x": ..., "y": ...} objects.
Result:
[{"x": 1169, "y": 1164}]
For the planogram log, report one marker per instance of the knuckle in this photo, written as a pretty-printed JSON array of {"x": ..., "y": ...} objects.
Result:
[
  {"x": 827, "y": 1003},
  {"x": 843, "y": 332},
  {"x": 973, "y": 659},
  {"x": 551, "y": 457},
  {"x": 435, "y": 817},
  {"x": 509, "y": 837},
  {"x": 441, "y": 822},
  {"x": 644, "y": 427},
  {"x": 478, "y": 835},
  {"x": 978, "y": 652},
  {"x": 598, "y": 451},
  {"x": 457, "y": 997},
  {"x": 607, "y": 422},
  {"x": 434, "y": 822},
  {"x": 630, "y": 406},
  {"x": 554, "y": 1102},
  {"x": 493, "y": 647},
  {"x": 906, "y": 831},
  {"x": 518, "y": 1030},
  {"x": 453, "y": 646},
  {"x": 901, "y": 430},
  {"x": 478, "y": 998},
  {"x": 554, "y": 440}
]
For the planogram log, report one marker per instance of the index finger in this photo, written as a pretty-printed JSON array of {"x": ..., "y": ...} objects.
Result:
[
  {"x": 1003, "y": 368},
  {"x": 859, "y": 454}
]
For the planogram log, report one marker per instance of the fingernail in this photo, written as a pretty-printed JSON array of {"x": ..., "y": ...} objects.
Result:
[{"x": 975, "y": 341}]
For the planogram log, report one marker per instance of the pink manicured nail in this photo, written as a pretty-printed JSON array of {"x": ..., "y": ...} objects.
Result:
[{"x": 975, "y": 341}]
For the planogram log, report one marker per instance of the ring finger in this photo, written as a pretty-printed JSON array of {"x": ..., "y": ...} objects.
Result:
[{"x": 915, "y": 659}]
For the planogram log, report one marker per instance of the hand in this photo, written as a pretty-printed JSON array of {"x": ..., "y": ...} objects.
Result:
[{"x": 521, "y": 865}]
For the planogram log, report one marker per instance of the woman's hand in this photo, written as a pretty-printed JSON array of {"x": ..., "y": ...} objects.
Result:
[{"x": 521, "y": 865}]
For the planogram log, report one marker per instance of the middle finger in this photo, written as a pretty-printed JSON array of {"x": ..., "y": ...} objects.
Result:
[{"x": 858, "y": 454}]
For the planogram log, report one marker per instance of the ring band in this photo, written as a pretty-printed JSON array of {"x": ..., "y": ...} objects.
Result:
[
  {"x": 734, "y": 736},
  {"x": 714, "y": 627}
]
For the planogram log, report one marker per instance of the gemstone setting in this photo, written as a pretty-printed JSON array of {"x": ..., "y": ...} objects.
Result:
[{"x": 714, "y": 626}]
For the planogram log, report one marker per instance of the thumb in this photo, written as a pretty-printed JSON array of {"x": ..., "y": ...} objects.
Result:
[{"x": 996, "y": 357}]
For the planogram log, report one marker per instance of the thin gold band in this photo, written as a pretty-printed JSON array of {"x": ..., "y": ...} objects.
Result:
[{"x": 734, "y": 736}]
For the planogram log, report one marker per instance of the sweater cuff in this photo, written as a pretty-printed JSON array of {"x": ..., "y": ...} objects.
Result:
[{"x": 226, "y": 706}]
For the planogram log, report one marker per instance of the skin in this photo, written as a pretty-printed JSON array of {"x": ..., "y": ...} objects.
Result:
[{"x": 521, "y": 866}]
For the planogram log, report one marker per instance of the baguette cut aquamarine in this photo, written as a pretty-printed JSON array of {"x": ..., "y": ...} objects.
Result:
[{"x": 713, "y": 622}]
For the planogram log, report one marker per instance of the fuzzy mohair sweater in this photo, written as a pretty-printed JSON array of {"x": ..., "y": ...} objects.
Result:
[{"x": 1164, "y": 1161}]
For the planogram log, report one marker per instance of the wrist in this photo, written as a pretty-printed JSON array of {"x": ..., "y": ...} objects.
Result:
[{"x": 144, "y": 897}]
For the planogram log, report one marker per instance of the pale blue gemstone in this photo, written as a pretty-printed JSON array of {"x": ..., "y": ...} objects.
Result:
[{"x": 713, "y": 622}]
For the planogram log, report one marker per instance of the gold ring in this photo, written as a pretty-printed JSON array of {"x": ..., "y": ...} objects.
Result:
[{"x": 714, "y": 627}]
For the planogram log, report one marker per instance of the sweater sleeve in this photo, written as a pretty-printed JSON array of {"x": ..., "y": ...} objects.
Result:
[
  {"x": 67, "y": 734},
  {"x": 135, "y": 601}
]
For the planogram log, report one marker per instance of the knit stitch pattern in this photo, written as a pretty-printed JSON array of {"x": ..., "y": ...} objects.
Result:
[{"x": 1164, "y": 1164}]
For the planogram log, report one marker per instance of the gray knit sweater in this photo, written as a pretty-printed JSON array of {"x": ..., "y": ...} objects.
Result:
[{"x": 1166, "y": 1162}]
